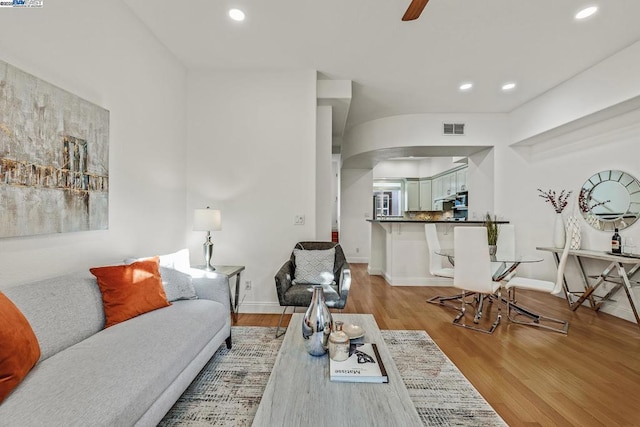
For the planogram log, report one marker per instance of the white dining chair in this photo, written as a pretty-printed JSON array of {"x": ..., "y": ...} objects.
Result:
[
  {"x": 473, "y": 273},
  {"x": 540, "y": 286},
  {"x": 435, "y": 260}
]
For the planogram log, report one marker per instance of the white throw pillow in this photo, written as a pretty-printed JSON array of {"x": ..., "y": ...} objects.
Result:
[
  {"x": 174, "y": 269},
  {"x": 314, "y": 266},
  {"x": 177, "y": 260},
  {"x": 177, "y": 285}
]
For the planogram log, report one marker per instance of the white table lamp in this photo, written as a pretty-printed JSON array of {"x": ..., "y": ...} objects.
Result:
[{"x": 207, "y": 220}]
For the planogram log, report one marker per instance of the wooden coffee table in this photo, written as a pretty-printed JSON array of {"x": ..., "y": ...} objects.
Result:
[{"x": 299, "y": 392}]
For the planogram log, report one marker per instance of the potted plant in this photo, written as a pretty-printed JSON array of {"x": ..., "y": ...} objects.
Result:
[{"x": 492, "y": 232}]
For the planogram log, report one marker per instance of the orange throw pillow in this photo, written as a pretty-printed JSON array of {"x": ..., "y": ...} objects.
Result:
[
  {"x": 19, "y": 348},
  {"x": 130, "y": 290}
]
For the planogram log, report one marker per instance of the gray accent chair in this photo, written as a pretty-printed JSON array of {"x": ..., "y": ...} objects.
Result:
[{"x": 290, "y": 295}]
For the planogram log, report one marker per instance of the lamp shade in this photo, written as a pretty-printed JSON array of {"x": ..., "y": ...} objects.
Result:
[{"x": 207, "y": 220}]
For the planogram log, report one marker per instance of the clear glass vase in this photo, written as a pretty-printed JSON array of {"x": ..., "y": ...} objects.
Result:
[{"x": 339, "y": 344}]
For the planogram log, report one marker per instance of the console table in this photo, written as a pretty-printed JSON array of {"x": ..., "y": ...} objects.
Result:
[{"x": 617, "y": 264}]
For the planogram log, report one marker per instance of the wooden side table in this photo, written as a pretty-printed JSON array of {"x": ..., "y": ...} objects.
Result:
[{"x": 230, "y": 271}]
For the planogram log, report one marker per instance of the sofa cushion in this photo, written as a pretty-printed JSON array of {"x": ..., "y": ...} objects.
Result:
[
  {"x": 114, "y": 376},
  {"x": 130, "y": 290},
  {"x": 301, "y": 295},
  {"x": 62, "y": 311},
  {"x": 19, "y": 348},
  {"x": 314, "y": 266}
]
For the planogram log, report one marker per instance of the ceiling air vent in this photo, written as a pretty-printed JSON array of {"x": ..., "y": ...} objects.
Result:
[{"x": 453, "y": 128}]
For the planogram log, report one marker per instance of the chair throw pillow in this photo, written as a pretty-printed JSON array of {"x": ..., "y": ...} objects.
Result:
[
  {"x": 314, "y": 266},
  {"x": 130, "y": 290},
  {"x": 19, "y": 347}
]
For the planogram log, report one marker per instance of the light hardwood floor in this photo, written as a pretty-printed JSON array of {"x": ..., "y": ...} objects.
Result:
[{"x": 531, "y": 377}]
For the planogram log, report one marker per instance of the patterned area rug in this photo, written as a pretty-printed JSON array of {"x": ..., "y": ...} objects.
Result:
[{"x": 227, "y": 391}]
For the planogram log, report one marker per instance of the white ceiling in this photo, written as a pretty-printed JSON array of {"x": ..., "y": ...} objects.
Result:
[{"x": 401, "y": 67}]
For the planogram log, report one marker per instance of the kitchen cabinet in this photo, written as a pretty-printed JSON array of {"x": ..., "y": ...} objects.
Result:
[
  {"x": 412, "y": 191},
  {"x": 425, "y": 195},
  {"x": 461, "y": 180},
  {"x": 436, "y": 188},
  {"x": 449, "y": 184}
]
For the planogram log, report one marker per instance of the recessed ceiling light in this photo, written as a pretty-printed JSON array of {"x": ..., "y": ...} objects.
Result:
[
  {"x": 236, "y": 14},
  {"x": 466, "y": 86},
  {"x": 508, "y": 86},
  {"x": 586, "y": 12}
]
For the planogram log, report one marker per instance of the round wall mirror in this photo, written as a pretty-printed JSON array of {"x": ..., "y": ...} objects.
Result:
[{"x": 610, "y": 199}]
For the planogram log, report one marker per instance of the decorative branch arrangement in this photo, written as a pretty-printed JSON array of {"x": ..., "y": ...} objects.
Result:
[
  {"x": 559, "y": 202},
  {"x": 583, "y": 201}
]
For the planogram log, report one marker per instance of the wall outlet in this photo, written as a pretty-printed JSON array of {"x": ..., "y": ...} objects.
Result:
[
  {"x": 247, "y": 285},
  {"x": 298, "y": 219},
  {"x": 357, "y": 250}
]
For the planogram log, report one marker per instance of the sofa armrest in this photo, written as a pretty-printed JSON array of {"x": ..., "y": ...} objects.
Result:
[
  {"x": 211, "y": 285},
  {"x": 283, "y": 278}
]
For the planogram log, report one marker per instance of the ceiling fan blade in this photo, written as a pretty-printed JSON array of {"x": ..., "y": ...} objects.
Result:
[{"x": 414, "y": 10}]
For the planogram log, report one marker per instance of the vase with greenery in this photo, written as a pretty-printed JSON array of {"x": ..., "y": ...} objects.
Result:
[{"x": 492, "y": 232}]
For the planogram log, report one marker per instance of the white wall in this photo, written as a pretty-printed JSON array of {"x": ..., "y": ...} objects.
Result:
[
  {"x": 356, "y": 207},
  {"x": 100, "y": 52},
  {"x": 251, "y": 154},
  {"x": 435, "y": 165},
  {"x": 397, "y": 169},
  {"x": 423, "y": 130},
  {"x": 607, "y": 83},
  {"x": 509, "y": 174},
  {"x": 325, "y": 192},
  {"x": 517, "y": 199},
  {"x": 481, "y": 173},
  {"x": 414, "y": 130}
]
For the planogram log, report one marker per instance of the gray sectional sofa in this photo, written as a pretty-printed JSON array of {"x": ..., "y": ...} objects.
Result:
[{"x": 128, "y": 374}]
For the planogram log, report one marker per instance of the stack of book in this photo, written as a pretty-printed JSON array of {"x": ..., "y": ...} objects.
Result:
[{"x": 364, "y": 365}]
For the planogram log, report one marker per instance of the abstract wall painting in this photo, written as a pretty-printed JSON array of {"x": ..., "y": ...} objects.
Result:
[{"x": 54, "y": 158}]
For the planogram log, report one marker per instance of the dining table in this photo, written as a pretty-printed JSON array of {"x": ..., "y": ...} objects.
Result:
[
  {"x": 508, "y": 262},
  {"x": 505, "y": 264}
]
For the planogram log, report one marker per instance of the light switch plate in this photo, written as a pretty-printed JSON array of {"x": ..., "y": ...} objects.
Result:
[{"x": 298, "y": 219}]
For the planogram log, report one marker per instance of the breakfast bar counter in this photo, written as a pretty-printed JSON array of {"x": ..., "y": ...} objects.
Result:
[
  {"x": 399, "y": 250},
  {"x": 428, "y": 221}
]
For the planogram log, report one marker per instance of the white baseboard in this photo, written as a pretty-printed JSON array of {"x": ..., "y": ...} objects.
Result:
[
  {"x": 618, "y": 311},
  {"x": 358, "y": 260},
  {"x": 410, "y": 281},
  {"x": 375, "y": 271}
]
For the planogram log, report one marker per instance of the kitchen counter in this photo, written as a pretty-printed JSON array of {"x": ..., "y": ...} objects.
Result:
[
  {"x": 429, "y": 221},
  {"x": 399, "y": 250}
]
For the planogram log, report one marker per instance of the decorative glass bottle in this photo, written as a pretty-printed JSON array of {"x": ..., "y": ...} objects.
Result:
[
  {"x": 339, "y": 343},
  {"x": 616, "y": 243},
  {"x": 316, "y": 324}
]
